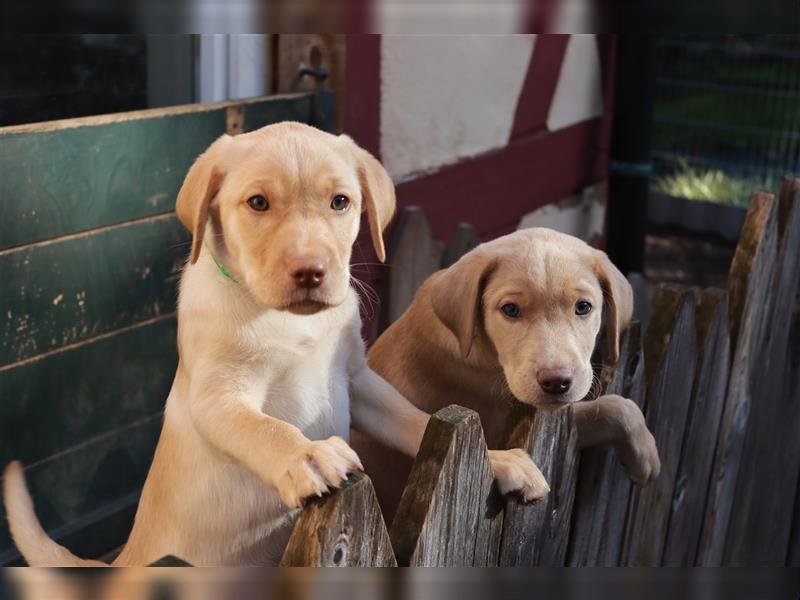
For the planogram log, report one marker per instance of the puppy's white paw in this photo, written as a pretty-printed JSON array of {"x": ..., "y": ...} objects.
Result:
[
  {"x": 316, "y": 468},
  {"x": 516, "y": 473}
]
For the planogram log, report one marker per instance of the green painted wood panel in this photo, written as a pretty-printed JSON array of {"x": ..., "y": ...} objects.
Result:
[
  {"x": 63, "y": 292},
  {"x": 55, "y": 402},
  {"x": 81, "y": 494},
  {"x": 81, "y": 174},
  {"x": 91, "y": 254}
]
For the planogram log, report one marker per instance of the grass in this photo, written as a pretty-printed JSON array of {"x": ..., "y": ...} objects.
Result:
[{"x": 710, "y": 185}]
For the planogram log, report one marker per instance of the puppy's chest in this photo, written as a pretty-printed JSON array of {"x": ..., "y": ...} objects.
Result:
[{"x": 307, "y": 389}]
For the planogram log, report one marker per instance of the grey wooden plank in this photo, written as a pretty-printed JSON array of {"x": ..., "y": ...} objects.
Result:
[
  {"x": 450, "y": 512},
  {"x": 771, "y": 459},
  {"x": 341, "y": 529},
  {"x": 538, "y": 534},
  {"x": 60, "y": 293},
  {"x": 707, "y": 404},
  {"x": 464, "y": 239},
  {"x": 793, "y": 550},
  {"x": 603, "y": 488},
  {"x": 84, "y": 496},
  {"x": 68, "y": 176},
  {"x": 669, "y": 352},
  {"x": 749, "y": 281},
  {"x": 412, "y": 256},
  {"x": 53, "y": 403}
]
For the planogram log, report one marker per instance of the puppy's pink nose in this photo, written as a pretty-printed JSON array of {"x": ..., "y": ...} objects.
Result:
[
  {"x": 307, "y": 272},
  {"x": 554, "y": 381}
]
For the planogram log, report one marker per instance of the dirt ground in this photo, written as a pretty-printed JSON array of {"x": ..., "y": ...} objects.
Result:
[{"x": 678, "y": 257}]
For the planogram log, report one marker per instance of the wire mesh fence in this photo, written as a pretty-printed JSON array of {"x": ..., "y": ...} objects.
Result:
[{"x": 726, "y": 114}]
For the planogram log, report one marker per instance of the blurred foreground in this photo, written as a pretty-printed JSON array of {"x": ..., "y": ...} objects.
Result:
[{"x": 302, "y": 584}]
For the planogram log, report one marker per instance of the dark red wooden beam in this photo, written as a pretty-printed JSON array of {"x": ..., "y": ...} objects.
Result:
[
  {"x": 494, "y": 190},
  {"x": 540, "y": 85}
]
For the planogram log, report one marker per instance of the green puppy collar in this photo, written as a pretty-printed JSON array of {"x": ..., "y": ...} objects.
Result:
[{"x": 220, "y": 266}]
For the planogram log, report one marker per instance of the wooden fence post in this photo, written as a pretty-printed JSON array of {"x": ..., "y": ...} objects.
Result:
[
  {"x": 707, "y": 403},
  {"x": 538, "y": 534},
  {"x": 669, "y": 351},
  {"x": 464, "y": 239},
  {"x": 412, "y": 256},
  {"x": 759, "y": 535},
  {"x": 341, "y": 529},
  {"x": 749, "y": 285},
  {"x": 603, "y": 488},
  {"x": 450, "y": 512}
]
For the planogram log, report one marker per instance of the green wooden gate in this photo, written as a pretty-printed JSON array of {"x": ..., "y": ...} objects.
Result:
[{"x": 90, "y": 257}]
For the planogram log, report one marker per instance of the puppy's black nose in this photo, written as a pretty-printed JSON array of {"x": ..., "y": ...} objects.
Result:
[
  {"x": 554, "y": 381},
  {"x": 307, "y": 273}
]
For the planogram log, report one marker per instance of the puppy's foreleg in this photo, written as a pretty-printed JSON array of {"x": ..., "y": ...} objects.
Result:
[
  {"x": 617, "y": 422},
  {"x": 276, "y": 451},
  {"x": 382, "y": 413}
]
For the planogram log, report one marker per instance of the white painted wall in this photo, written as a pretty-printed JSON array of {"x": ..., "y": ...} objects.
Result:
[
  {"x": 450, "y": 16},
  {"x": 579, "y": 92},
  {"x": 582, "y": 216},
  {"x": 444, "y": 98}
]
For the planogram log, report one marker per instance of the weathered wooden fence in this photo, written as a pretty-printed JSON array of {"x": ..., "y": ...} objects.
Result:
[{"x": 717, "y": 374}]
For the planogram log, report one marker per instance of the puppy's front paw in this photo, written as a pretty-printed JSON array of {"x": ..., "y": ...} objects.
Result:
[
  {"x": 516, "y": 473},
  {"x": 638, "y": 453},
  {"x": 316, "y": 468}
]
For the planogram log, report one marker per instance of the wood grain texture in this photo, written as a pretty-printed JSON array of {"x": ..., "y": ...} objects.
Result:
[
  {"x": 793, "y": 551},
  {"x": 669, "y": 352},
  {"x": 450, "y": 513},
  {"x": 69, "y": 176},
  {"x": 749, "y": 282},
  {"x": 412, "y": 256},
  {"x": 770, "y": 464},
  {"x": 708, "y": 401},
  {"x": 538, "y": 534},
  {"x": 86, "y": 496},
  {"x": 79, "y": 287},
  {"x": 603, "y": 488},
  {"x": 341, "y": 529},
  {"x": 53, "y": 403}
]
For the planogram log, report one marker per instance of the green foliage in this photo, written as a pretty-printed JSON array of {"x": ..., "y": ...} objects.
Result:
[{"x": 710, "y": 185}]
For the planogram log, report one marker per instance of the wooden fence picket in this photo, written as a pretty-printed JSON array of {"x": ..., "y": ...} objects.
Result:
[
  {"x": 749, "y": 284},
  {"x": 669, "y": 351},
  {"x": 413, "y": 254},
  {"x": 772, "y": 447},
  {"x": 707, "y": 404},
  {"x": 793, "y": 551},
  {"x": 603, "y": 489},
  {"x": 537, "y": 534},
  {"x": 342, "y": 529},
  {"x": 464, "y": 239},
  {"x": 450, "y": 513}
]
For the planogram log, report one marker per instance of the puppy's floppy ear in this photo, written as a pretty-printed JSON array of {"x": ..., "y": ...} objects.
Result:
[
  {"x": 201, "y": 184},
  {"x": 377, "y": 189},
  {"x": 618, "y": 302},
  {"x": 457, "y": 293}
]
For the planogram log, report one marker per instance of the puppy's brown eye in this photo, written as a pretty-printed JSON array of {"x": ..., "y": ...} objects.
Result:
[
  {"x": 258, "y": 203},
  {"x": 582, "y": 308},
  {"x": 340, "y": 203},
  {"x": 510, "y": 310}
]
